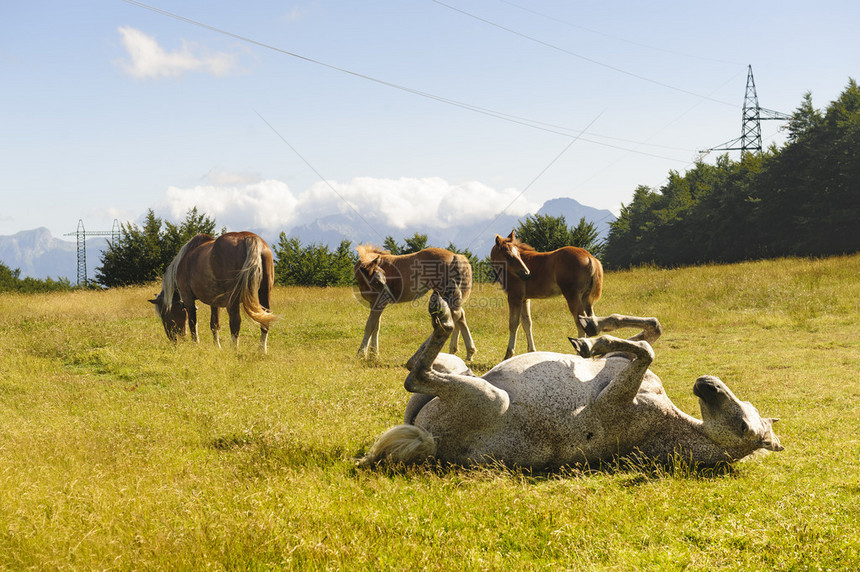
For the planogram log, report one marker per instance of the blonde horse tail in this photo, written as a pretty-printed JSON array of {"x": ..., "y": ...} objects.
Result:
[
  {"x": 596, "y": 288},
  {"x": 248, "y": 283},
  {"x": 402, "y": 444}
]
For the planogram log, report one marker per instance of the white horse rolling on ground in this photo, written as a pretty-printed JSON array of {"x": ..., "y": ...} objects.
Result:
[{"x": 544, "y": 410}]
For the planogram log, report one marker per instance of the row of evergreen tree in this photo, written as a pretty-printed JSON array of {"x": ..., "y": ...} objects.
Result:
[
  {"x": 11, "y": 281},
  {"x": 801, "y": 200}
]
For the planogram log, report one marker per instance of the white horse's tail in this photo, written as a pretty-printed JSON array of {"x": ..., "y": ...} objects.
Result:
[
  {"x": 401, "y": 444},
  {"x": 248, "y": 283}
]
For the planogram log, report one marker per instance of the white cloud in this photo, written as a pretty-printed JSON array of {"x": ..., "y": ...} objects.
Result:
[
  {"x": 149, "y": 60},
  {"x": 266, "y": 204},
  {"x": 476, "y": 201},
  {"x": 408, "y": 202},
  {"x": 401, "y": 203}
]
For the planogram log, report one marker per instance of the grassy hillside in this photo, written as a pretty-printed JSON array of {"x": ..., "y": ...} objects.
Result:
[{"x": 120, "y": 451}]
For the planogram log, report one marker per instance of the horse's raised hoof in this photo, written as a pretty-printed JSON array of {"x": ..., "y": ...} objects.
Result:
[
  {"x": 588, "y": 325},
  {"x": 582, "y": 346},
  {"x": 440, "y": 315}
]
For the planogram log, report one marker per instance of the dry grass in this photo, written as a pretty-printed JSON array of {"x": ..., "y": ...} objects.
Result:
[{"x": 120, "y": 451}]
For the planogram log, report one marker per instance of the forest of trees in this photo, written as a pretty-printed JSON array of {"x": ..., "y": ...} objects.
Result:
[{"x": 802, "y": 199}]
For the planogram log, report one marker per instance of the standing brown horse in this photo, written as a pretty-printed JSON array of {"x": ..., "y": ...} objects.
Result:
[
  {"x": 384, "y": 278},
  {"x": 525, "y": 273},
  {"x": 234, "y": 270}
]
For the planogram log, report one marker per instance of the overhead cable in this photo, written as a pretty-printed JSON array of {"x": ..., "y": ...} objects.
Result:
[{"x": 534, "y": 124}]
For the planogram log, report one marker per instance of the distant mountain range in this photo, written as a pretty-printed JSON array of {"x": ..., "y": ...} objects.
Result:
[
  {"x": 39, "y": 255},
  {"x": 476, "y": 236}
]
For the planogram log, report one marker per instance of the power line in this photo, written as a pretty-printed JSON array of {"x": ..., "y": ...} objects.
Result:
[
  {"x": 300, "y": 156},
  {"x": 580, "y": 56},
  {"x": 610, "y": 36},
  {"x": 534, "y": 180},
  {"x": 688, "y": 163},
  {"x": 542, "y": 126}
]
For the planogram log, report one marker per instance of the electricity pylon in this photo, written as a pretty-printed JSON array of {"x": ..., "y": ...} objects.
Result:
[
  {"x": 81, "y": 235},
  {"x": 753, "y": 114}
]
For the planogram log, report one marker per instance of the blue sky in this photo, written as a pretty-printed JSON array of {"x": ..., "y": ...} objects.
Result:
[{"x": 274, "y": 114}]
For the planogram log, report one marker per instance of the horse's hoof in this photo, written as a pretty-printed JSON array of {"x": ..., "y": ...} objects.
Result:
[
  {"x": 588, "y": 325},
  {"x": 581, "y": 346}
]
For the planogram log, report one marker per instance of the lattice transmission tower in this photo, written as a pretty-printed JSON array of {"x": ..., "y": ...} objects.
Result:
[
  {"x": 753, "y": 115},
  {"x": 81, "y": 235}
]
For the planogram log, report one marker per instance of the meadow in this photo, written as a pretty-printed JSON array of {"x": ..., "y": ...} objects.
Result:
[{"x": 120, "y": 451}]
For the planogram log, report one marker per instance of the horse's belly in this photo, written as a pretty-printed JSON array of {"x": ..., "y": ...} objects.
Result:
[
  {"x": 552, "y": 419},
  {"x": 548, "y": 290},
  {"x": 547, "y": 378}
]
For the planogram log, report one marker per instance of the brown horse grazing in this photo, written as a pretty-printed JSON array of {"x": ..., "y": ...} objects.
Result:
[
  {"x": 234, "y": 270},
  {"x": 525, "y": 273},
  {"x": 384, "y": 278}
]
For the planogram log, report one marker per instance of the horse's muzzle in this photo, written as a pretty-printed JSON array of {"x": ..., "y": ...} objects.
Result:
[
  {"x": 524, "y": 274},
  {"x": 708, "y": 388}
]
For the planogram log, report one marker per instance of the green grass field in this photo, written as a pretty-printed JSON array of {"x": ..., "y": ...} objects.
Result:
[{"x": 121, "y": 451}]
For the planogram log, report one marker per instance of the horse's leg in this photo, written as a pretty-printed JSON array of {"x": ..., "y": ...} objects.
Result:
[
  {"x": 371, "y": 334},
  {"x": 624, "y": 387},
  {"x": 416, "y": 403},
  {"x": 514, "y": 309},
  {"x": 235, "y": 323},
  {"x": 264, "y": 337},
  {"x": 453, "y": 296},
  {"x": 478, "y": 396},
  {"x": 463, "y": 328},
  {"x": 574, "y": 304},
  {"x": 526, "y": 316},
  {"x": 410, "y": 363},
  {"x": 192, "y": 320},
  {"x": 587, "y": 306},
  {"x": 215, "y": 325},
  {"x": 263, "y": 296},
  {"x": 455, "y": 335},
  {"x": 374, "y": 339},
  {"x": 651, "y": 328}
]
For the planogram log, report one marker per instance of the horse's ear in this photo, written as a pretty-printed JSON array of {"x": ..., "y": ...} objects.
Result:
[
  {"x": 512, "y": 236},
  {"x": 770, "y": 441},
  {"x": 499, "y": 240}
]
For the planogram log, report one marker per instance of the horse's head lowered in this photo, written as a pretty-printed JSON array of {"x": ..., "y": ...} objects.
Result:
[
  {"x": 173, "y": 316},
  {"x": 505, "y": 256},
  {"x": 372, "y": 273},
  {"x": 369, "y": 272}
]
